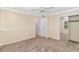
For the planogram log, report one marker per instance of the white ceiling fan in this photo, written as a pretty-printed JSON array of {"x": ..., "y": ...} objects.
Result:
[{"x": 43, "y": 10}]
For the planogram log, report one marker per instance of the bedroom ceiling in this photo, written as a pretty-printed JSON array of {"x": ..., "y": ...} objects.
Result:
[{"x": 41, "y": 10}]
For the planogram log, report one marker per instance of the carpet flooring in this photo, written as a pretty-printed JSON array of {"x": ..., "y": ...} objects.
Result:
[{"x": 41, "y": 44}]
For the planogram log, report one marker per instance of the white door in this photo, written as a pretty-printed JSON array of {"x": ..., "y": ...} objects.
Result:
[
  {"x": 74, "y": 31},
  {"x": 74, "y": 28},
  {"x": 42, "y": 29}
]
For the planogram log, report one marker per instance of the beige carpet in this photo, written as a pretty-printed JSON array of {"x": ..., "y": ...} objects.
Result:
[{"x": 40, "y": 44}]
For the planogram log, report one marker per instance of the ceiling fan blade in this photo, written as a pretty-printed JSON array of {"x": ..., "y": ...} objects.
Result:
[
  {"x": 49, "y": 8},
  {"x": 36, "y": 10},
  {"x": 40, "y": 8},
  {"x": 46, "y": 11}
]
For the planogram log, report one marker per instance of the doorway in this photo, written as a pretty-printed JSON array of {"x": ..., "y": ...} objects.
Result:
[
  {"x": 64, "y": 28},
  {"x": 42, "y": 27}
]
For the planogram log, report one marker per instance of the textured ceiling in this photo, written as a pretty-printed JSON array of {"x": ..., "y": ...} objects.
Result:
[{"x": 37, "y": 10}]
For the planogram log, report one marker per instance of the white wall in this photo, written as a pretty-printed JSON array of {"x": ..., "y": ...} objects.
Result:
[
  {"x": 53, "y": 27},
  {"x": 16, "y": 27}
]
